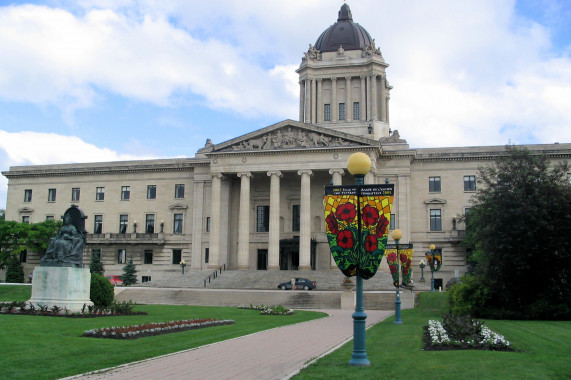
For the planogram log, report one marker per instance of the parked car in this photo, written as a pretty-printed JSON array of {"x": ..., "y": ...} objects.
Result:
[
  {"x": 115, "y": 280},
  {"x": 300, "y": 283}
]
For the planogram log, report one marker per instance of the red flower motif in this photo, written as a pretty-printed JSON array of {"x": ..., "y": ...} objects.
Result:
[
  {"x": 405, "y": 271},
  {"x": 382, "y": 227},
  {"x": 346, "y": 212},
  {"x": 332, "y": 225},
  {"x": 370, "y": 215},
  {"x": 345, "y": 239},
  {"x": 393, "y": 269},
  {"x": 403, "y": 258},
  {"x": 392, "y": 257},
  {"x": 371, "y": 243}
]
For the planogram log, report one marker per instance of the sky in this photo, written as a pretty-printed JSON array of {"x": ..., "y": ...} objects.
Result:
[{"x": 108, "y": 80}]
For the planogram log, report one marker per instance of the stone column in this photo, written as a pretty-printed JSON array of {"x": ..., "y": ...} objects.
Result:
[
  {"x": 348, "y": 100},
  {"x": 305, "y": 220},
  {"x": 313, "y": 101},
  {"x": 363, "y": 100},
  {"x": 336, "y": 176},
  {"x": 197, "y": 224},
  {"x": 334, "y": 105},
  {"x": 369, "y": 113},
  {"x": 383, "y": 101},
  {"x": 301, "y": 101},
  {"x": 244, "y": 227},
  {"x": 388, "y": 97},
  {"x": 215, "y": 221},
  {"x": 274, "y": 236},
  {"x": 320, "y": 100},
  {"x": 374, "y": 99}
]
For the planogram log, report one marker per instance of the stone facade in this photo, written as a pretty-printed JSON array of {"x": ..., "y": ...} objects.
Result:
[{"x": 255, "y": 202}]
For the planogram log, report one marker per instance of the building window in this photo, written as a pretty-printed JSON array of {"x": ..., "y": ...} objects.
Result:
[
  {"x": 28, "y": 195},
  {"x": 24, "y": 256},
  {"x": 99, "y": 193},
  {"x": 148, "y": 256},
  {"x": 26, "y": 219},
  {"x": 146, "y": 279},
  {"x": 469, "y": 183},
  {"x": 51, "y": 195},
  {"x": 356, "y": 111},
  {"x": 295, "y": 218},
  {"x": 125, "y": 192},
  {"x": 263, "y": 219},
  {"x": 341, "y": 111},
  {"x": 434, "y": 184},
  {"x": 206, "y": 255},
  {"x": 151, "y": 192},
  {"x": 179, "y": 191},
  {"x": 75, "y": 194},
  {"x": 393, "y": 222},
  {"x": 177, "y": 227},
  {"x": 97, "y": 224},
  {"x": 176, "y": 256},
  {"x": 121, "y": 256},
  {"x": 50, "y": 218},
  {"x": 150, "y": 223},
  {"x": 327, "y": 112},
  {"x": 435, "y": 220},
  {"x": 207, "y": 224},
  {"x": 123, "y": 223}
]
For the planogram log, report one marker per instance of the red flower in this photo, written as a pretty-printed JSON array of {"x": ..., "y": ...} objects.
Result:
[
  {"x": 382, "y": 227},
  {"x": 405, "y": 271},
  {"x": 332, "y": 225},
  {"x": 346, "y": 212},
  {"x": 370, "y": 215},
  {"x": 403, "y": 258},
  {"x": 371, "y": 243},
  {"x": 393, "y": 269},
  {"x": 392, "y": 257},
  {"x": 345, "y": 239}
]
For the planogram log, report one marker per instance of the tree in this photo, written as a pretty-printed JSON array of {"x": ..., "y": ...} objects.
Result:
[
  {"x": 129, "y": 277},
  {"x": 14, "y": 270},
  {"x": 96, "y": 266},
  {"x": 2, "y": 214},
  {"x": 520, "y": 230}
]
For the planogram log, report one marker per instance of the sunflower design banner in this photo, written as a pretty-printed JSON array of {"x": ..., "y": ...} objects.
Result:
[
  {"x": 437, "y": 263},
  {"x": 357, "y": 219},
  {"x": 405, "y": 255}
]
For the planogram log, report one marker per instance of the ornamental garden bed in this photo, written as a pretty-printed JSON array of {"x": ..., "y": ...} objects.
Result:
[
  {"x": 88, "y": 311},
  {"x": 154, "y": 329},
  {"x": 269, "y": 310},
  {"x": 462, "y": 333}
]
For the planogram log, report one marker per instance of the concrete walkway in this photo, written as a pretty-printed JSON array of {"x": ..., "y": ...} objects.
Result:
[{"x": 273, "y": 354}]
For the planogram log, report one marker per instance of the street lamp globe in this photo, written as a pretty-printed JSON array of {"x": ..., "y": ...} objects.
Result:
[
  {"x": 396, "y": 234},
  {"x": 432, "y": 247},
  {"x": 359, "y": 163}
]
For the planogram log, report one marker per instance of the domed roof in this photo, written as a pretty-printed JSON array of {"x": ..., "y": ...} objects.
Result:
[{"x": 345, "y": 33}]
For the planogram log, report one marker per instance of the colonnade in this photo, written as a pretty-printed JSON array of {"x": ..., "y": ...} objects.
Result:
[{"x": 373, "y": 106}]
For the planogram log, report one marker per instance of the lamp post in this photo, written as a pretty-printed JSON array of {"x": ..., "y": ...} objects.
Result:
[
  {"x": 182, "y": 265},
  {"x": 422, "y": 264},
  {"x": 432, "y": 248},
  {"x": 358, "y": 165},
  {"x": 396, "y": 235}
]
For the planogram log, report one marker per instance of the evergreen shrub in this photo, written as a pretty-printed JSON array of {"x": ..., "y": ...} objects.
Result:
[{"x": 102, "y": 291}]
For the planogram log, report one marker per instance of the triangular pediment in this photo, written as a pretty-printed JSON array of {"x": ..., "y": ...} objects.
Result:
[{"x": 289, "y": 135}]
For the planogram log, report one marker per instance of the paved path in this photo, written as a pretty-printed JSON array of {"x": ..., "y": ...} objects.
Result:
[{"x": 274, "y": 354}]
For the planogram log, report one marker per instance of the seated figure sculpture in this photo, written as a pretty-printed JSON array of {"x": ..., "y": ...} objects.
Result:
[{"x": 66, "y": 248}]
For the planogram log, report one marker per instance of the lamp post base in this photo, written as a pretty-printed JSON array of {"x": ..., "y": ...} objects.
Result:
[
  {"x": 359, "y": 357},
  {"x": 398, "y": 320}
]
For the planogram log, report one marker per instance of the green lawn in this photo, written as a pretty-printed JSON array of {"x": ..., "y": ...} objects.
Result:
[
  {"x": 36, "y": 347},
  {"x": 395, "y": 351}
]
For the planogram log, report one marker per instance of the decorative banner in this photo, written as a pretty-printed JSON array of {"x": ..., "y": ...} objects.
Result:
[
  {"x": 405, "y": 253},
  {"x": 357, "y": 219},
  {"x": 434, "y": 266}
]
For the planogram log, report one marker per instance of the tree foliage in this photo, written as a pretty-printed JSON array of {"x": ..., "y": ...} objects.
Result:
[
  {"x": 101, "y": 291},
  {"x": 520, "y": 230},
  {"x": 96, "y": 266},
  {"x": 17, "y": 237},
  {"x": 14, "y": 271},
  {"x": 129, "y": 276}
]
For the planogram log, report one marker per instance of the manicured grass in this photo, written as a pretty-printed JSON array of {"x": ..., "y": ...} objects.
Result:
[
  {"x": 36, "y": 347},
  {"x": 15, "y": 293},
  {"x": 395, "y": 351}
]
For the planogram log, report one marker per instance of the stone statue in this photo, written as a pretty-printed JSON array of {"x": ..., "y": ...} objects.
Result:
[
  {"x": 392, "y": 139},
  {"x": 66, "y": 248}
]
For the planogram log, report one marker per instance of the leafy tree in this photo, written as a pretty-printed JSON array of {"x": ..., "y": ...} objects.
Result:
[
  {"x": 2, "y": 214},
  {"x": 520, "y": 230},
  {"x": 14, "y": 270},
  {"x": 129, "y": 277},
  {"x": 101, "y": 291},
  {"x": 96, "y": 266}
]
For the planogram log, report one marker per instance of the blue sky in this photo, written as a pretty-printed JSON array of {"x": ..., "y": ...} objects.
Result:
[{"x": 104, "y": 80}]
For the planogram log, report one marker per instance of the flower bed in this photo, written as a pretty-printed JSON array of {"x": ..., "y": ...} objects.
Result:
[
  {"x": 462, "y": 334},
  {"x": 153, "y": 329},
  {"x": 269, "y": 310},
  {"x": 88, "y": 311}
]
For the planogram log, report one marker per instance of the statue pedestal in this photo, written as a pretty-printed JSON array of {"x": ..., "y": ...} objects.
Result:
[{"x": 65, "y": 287}]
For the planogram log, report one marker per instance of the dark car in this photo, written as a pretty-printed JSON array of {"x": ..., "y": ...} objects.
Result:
[{"x": 300, "y": 283}]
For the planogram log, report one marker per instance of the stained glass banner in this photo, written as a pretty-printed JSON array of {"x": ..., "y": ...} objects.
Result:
[
  {"x": 405, "y": 252},
  {"x": 357, "y": 219}
]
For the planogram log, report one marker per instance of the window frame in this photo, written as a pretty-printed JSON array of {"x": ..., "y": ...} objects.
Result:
[
  {"x": 435, "y": 220},
  {"x": 176, "y": 253},
  {"x": 469, "y": 183},
  {"x": 100, "y": 193},
  {"x": 263, "y": 224},
  {"x": 151, "y": 191},
  {"x": 432, "y": 184},
  {"x": 148, "y": 256},
  {"x": 149, "y": 223},
  {"x": 75, "y": 194},
  {"x": 178, "y": 191},
  {"x": 125, "y": 193},
  {"x": 327, "y": 112},
  {"x": 178, "y": 224},
  {"x": 121, "y": 256},
  {"x": 342, "y": 113},
  {"x": 356, "y": 110},
  {"x": 295, "y": 220},
  {"x": 52, "y": 195},
  {"x": 123, "y": 223},
  {"x": 97, "y": 222},
  {"x": 27, "y": 195}
]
